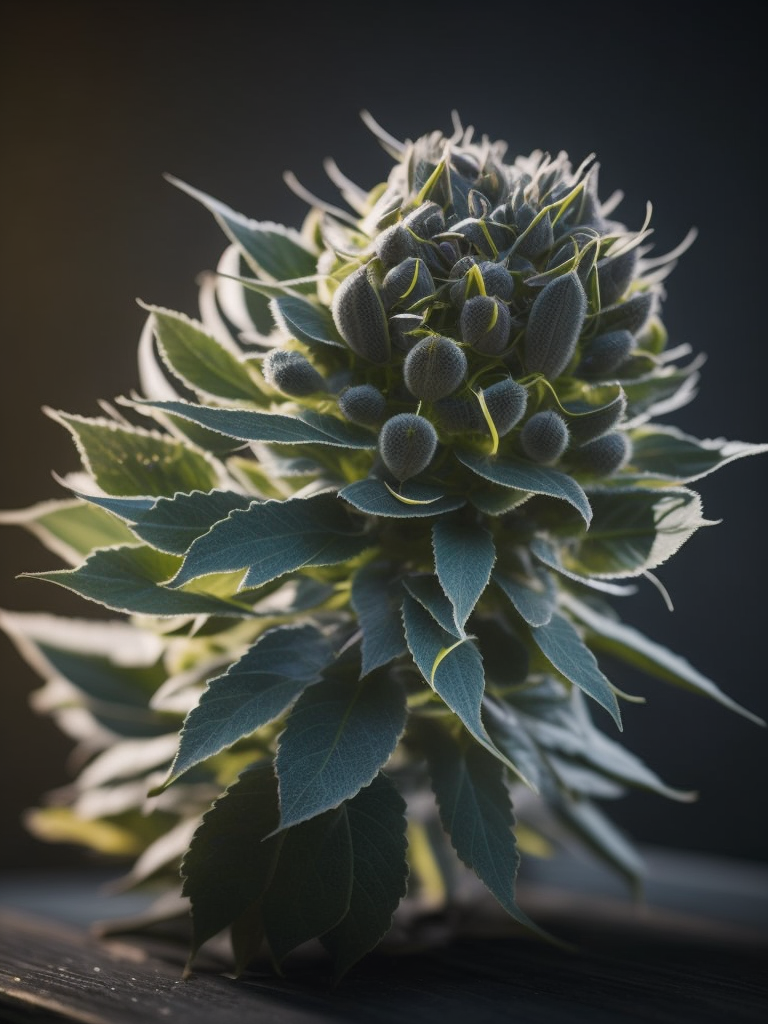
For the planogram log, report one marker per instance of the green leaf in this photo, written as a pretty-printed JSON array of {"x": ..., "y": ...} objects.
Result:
[
  {"x": 132, "y": 461},
  {"x": 533, "y": 596},
  {"x": 337, "y": 737},
  {"x": 428, "y": 592},
  {"x": 526, "y": 477},
  {"x": 476, "y": 812},
  {"x": 665, "y": 389},
  {"x": 635, "y": 530},
  {"x": 201, "y": 361},
  {"x": 509, "y": 736},
  {"x": 495, "y": 500},
  {"x": 666, "y": 453},
  {"x": 253, "y": 691},
  {"x": 458, "y": 678},
  {"x": 372, "y": 496},
  {"x": 549, "y": 557},
  {"x": 269, "y": 248},
  {"x": 70, "y": 529},
  {"x": 377, "y": 829},
  {"x": 377, "y": 598},
  {"x": 464, "y": 557},
  {"x": 306, "y": 427},
  {"x": 172, "y": 524},
  {"x": 311, "y": 889},
  {"x": 129, "y": 579},
  {"x": 562, "y": 646},
  {"x": 615, "y": 638},
  {"x": 306, "y": 322},
  {"x": 230, "y": 860},
  {"x": 272, "y": 538}
]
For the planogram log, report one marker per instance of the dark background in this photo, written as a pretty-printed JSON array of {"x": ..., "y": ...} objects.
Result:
[{"x": 99, "y": 100}]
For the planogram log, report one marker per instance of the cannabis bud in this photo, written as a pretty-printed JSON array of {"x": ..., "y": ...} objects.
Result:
[{"x": 362, "y": 528}]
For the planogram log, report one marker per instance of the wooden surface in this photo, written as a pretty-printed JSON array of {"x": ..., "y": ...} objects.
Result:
[{"x": 702, "y": 962}]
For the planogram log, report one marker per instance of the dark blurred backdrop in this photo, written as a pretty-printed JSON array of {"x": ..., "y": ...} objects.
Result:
[{"x": 100, "y": 99}]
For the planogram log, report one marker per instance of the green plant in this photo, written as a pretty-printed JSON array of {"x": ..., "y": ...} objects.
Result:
[{"x": 362, "y": 526}]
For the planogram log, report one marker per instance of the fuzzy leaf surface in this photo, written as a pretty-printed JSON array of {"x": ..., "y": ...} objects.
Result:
[
  {"x": 476, "y": 812},
  {"x": 635, "y": 530},
  {"x": 533, "y": 598},
  {"x": 131, "y": 461},
  {"x": 172, "y": 524},
  {"x": 306, "y": 322},
  {"x": 306, "y": 427},
  {"x": 668, "y": 453},
  {"x": 628, "y": 644},
  {"x": 524, "y": 476},
  {"x": 200, "y": 360},
  {"x": 371, "y": 496},
  {"x": 254, "y": 691},
  {"x": 548, "y": 556},
  {"x": 459, "y": 679},
  {"x": 377, "y": 598},
  {"x": 430, "y": 595},
  {"x": 130, "y": 579},
  {"x": 311, "y": 889},
  {"x": 230, "y": 859},
  {"x": 464, "y": 557},
  {"x": 337, "y": 737},
  {"x": 562, "y": 646},
  {"x": 380, "y": 871},
  {"x": 272, "y": 538}
]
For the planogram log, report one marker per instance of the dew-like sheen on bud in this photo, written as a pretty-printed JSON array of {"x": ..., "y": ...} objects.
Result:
[
  {"x": 292, "y": 373},
  {"x": 544, "y": 436},
  {"x": 359, "y": 315},
  {"x": 484, "y": 324},
  {"x": 363, "y": 404},
  {"x": 407, "y": 444},
  {"x": 604, "y": 455},
  {"x": 605, "y": 353},
  {"x": 434, "y": 368},
  {"x": 554, "y": 324}
]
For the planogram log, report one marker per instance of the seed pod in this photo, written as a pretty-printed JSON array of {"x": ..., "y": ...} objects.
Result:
[
  {"x": 605, "y": 353},
  {"x": 604, "y": 455},
  {"x": 544, "y": 437},
  {"x": 394, "y": 245},
  {"x": 459, "y": 415},
  {"x": 407, "y": 444},
  {"x": 540, "y": 239},
  {"x": 614, "y": 275},
  {"x": 554, "y": 324},
  {"x": 595, "y": 422},
  {"x": 485, "y": 236},
  {"x": 497, "y": 280},
  {"x": 506, "y": 402},
  {"x": 292, "y": 373},
  {"x": 630, "y": 315},
  {"x": 426, "y": 220},
  {"x": 363, "y": 404},
  {"x": 359, "y": 315},
  {"x": 484, "y": 324},
  {"x": 407, "y": 283},
  {"x": 434, "y": 368}
]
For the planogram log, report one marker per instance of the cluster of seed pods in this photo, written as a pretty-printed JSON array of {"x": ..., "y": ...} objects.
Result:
[{"x": 461, "y": 326}]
